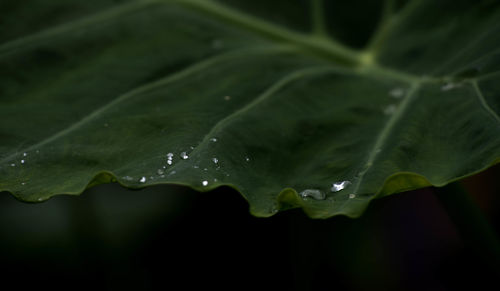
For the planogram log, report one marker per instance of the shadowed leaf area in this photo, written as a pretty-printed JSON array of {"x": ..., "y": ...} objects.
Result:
[{"x": 322, "y": 106}]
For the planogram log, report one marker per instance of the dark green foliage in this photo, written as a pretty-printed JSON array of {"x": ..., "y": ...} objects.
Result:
[{"x": 100, "y": 91}]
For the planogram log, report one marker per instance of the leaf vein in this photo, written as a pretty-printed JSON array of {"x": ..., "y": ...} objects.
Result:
[
  {"x": 149, "y": 86},
  {"x": 485, "y": 105}
]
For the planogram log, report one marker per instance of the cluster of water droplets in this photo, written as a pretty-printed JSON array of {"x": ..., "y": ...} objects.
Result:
[
  {"x": 203, "y": 165},
  {"x": 317, "y": 194},
  {"x": 396, "y": 93}
]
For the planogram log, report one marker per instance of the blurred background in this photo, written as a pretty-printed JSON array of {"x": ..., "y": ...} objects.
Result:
[{"x": 174, "y": 238}]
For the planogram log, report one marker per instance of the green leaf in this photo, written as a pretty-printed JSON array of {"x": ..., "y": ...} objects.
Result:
[{"x": 256, "y": 95}]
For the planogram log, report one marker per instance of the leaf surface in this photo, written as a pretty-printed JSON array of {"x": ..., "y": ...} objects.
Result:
[{"x": 304, "y": 109}]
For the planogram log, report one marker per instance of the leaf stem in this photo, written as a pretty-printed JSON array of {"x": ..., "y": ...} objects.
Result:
[
  {"x": 314, "y": 43},
  {"x": 471, "y": 224}
]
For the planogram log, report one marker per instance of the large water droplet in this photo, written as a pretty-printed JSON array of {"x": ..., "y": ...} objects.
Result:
[
  {"x": 215, "y": 160},
  {"x": 397, "y": 92},
  {"x": 170, "y": 156},
  {"x": 213, "y": 139},
  {"x": 338, "y": 186},
  {"x": 313, "y": 193},
  {"x": 184, "y": 156},
  {"x": 169, "y": 162},
  {"x": 204, "y": 183},
  {"x": 22, "y": 161},
  {"x": 142, "y": 180}
]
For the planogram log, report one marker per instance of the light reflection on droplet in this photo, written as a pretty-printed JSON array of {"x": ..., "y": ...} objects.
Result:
[
  {"x": 215, "y": 160},
  {"x": 204, "y": 183},
  {"x": 337, "y": 186},
  {"x": 213, "y": 139},
  {"x": 142, "y": 180},
  {"x": 184, "y": 156}
]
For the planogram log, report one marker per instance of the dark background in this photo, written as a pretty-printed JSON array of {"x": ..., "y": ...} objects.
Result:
[{"x": 171, "y": 237}]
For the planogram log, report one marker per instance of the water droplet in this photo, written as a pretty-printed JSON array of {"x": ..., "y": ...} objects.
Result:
[
  {"x": 23, "y": 183},
  {"x": 337, "y": 186},
  {"x": 169, "y": 162},
  {"x": 397, "y": 92},
  {"x": 12, "y": 165},
  {"x": 191, "y": 147},
  {"x": 204, "y": 183},
  {"x": 215, "y": 160},
  {"x": 196, "y": 166},
  {"x": 184, "y": 156},
  {"x": 162, "y": 176},
  {"x": 172, "y": 173},
  {"x": 205, "y": 169},
  {"x": 151, "y": 177},
  {"x": 449, "y": 86},
  {"x": 215, "y": 180},
  {"x": 160, "y": 172},
  {"x": 273, "y": 209},
  {"x": 128, "y": 178},
  {"x": 352, "y": 196},
  {"x": 170, "y": 156},
  {"x": 227, "y": 98},
  {"x": 213, "y": 139},
  {"x": 247, "y": 159},
  {"x": 25, "y": 154},
  {"x": 22, "y": 161},
  {"x": 40, "y": 199},
  {"x": 314, "y": 193},
  {"x": 143, "y": 180},
  {"x": 390, "y": 109}
]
